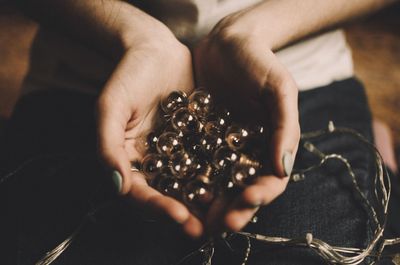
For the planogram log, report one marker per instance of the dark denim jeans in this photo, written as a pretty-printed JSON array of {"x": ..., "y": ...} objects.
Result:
[{"x": 49, "y": 196}]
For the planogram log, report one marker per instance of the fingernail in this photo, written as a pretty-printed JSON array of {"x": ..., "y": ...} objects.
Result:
[
  {"x": 117, "y": 178},
  {"x": 257, "y": 204},
  {"x": 287, "y": 161}
]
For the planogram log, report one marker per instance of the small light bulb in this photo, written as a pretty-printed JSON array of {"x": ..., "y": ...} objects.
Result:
[
  {"x": 225, "y": 157},
  {"x": 169, "y": 143},
  {"x": 183, "y": 165},
  {"x": 169, "y": 186},
  {"x": 185, "y": 121},
  {"x": 198, "y": 194},
  {"x": 153, "y": 165},
  {"x": 174, "y": 101},
  {"x": 200, "y": 103}
]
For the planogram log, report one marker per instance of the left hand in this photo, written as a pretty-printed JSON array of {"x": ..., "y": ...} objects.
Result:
[{"x": 244, "y": 74}]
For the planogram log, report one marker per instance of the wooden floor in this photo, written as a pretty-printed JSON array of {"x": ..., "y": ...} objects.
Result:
[{"x": 375, "y": 42}]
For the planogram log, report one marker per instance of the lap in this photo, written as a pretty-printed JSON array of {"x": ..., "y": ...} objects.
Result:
[{"x": 323, "y": 203}]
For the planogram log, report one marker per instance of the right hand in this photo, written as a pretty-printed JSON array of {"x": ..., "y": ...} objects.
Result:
[
  {"x": 151, "y": 67},
  {"x": 244, "y": 74}
]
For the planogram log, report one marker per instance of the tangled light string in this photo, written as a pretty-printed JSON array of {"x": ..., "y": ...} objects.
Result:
[
  {"x": 335, "y": 254},
  {"x": 331, "y": 254}
]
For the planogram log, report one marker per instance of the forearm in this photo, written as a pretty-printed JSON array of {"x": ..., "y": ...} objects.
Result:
[
  {"x": 278, "y": 23},
  {"x": 107, "y": 25}
]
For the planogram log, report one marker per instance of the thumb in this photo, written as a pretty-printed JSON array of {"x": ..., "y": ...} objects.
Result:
[
  {"x": 115, "y": 113},
  {"x": 111, "y": 135},
  {"x": 282, "y": 101}
]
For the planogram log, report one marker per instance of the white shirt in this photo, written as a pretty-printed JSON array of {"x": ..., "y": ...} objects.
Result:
[{"x": 314, "y": 62}]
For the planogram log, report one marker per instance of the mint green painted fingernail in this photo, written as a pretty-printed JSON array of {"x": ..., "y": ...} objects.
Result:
[
  {"x": 257, "y": 204},
  {"x": 117, "y": 178},
  {"x": 287, "y": 161}
]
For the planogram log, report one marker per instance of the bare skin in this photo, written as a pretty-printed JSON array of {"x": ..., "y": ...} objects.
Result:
[
  {"x": 152, "y": 62},
  {"x": 384, "y": 143}
]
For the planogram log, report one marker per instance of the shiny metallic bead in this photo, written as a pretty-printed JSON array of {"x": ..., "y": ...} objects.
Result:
[
  {"x": 222, "y": 118},
  {"x": 190, "y": 139},
  {"x": 244, "y": 174},
  {"x": 214, "y": 128},
  {"x": 208, "y": 143},
  {"x": 185, "y": 121},
  {"x": 257, "y": 143},
  {"x": 200, "y": 103},
  {"x": 153, "y": 165},
  {"x": 151, "y": 142},
  {"x": 174, "y": 101},
  {"x": 197, "y": 193},
  {"x": 169, "y": 128},
  {"x": 258, "y": 135},
  {"x": 169, "y": 143},
  {"x": 237, "y": 137},
  {"x": 248, "y": 160},
  {"x": 258, "y": 130},
  {"x": 202, "y": 165},
  {"x": 183, "y": 165},
  {"x": 169, "y": 186},
  {"x": 224, "y": 185},
  {"x": 224, "y": 157},
  {"x": 207, "y": 175},
  {"x": 195, "y": 149}
]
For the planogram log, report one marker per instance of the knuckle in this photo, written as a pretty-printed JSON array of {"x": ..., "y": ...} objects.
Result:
[
  {"x": 296, "y": 132},
  {"x": 154, "y": 201},
  {"x": 232, "y": 223},
  {"x": 250, "y": 195},
  {"x": 174, "y": 50},
  {"x": 281, "y": 188},
  {"x": 298, "y": 135},
  {"x": 102, "y": 104},
  {"x": 272, "y": 192},
  {"x": 279, "y": 83},
  {"x": 105, "y": 153},
  {"x": 285, "y": 87},
  {"x": 226, "y": 36}
]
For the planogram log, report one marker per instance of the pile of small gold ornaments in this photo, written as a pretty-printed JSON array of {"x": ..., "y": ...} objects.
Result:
[{"x": 198, "y": 152}]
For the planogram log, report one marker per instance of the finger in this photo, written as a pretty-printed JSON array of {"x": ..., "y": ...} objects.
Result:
[
  {"x": 263, "y": 192},
  {"x": 193, "y": 227},
  {"x": 111, "y": 135},
  {"x": 153, "y": 201},
  {"x": 233, "y": 214},
  {"x": 214, "y": 218},
  {"x": 236, "y": 219},
  {"x": 281, "y": 96},
  {"x": 158, "y": 204},
  {"x": 118, "y": 112}
]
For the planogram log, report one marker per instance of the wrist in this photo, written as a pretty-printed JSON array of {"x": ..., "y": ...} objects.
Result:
[
  {"x": 243, "y": 27},
  {"x": 140, "y": 30}
]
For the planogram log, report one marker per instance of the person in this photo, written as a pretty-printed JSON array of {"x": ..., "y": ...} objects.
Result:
[{"x": 253, "y": 55}]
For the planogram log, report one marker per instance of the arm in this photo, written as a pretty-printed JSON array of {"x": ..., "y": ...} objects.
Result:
[
  {"x": 278, "y": 23},
  {"x": 110, "y": 26}
]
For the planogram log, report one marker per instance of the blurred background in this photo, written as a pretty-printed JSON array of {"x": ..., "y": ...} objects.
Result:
[{"x": 375, "y": 41}]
